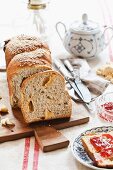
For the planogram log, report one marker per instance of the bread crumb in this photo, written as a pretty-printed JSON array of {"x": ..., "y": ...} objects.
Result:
[
  {"x": 106, "y": 71},
  {"x": 3, "y": 109},
  {"x": 7, "y": 122}
]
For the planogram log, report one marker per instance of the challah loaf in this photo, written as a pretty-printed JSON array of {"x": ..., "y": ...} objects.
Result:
[
  {"x": 43, "y": 97},
  {"x": 33, "y": 86},
  {"x": 21, "y": 44},
  {"x": 23, "y": 65}
]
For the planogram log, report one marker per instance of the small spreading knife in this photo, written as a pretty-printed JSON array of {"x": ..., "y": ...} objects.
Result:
[
  {"x": 84, "y": 92},
  {"x": 75, "y": 99},
  {"x": 68, "y": 77},
  {"x": 60, "y": 66}
]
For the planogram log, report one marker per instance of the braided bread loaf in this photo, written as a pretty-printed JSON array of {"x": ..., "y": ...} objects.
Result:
[
  {"x": 25, "y": 56},
  {"x": 28, "y": 62},
  {"x": 21, "y": 44}
]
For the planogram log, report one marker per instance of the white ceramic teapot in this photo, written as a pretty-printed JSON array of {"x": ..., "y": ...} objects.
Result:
[{"x": 84, "y": 39}]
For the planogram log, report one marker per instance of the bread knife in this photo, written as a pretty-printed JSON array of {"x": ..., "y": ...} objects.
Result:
[{"x": 85, "y": 93}]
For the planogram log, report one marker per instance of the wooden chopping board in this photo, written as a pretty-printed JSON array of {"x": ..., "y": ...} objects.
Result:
[{"x": 21, "y": 129}]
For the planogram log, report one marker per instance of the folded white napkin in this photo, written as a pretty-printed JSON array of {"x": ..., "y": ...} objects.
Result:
[{"x": 95, "y": 84}]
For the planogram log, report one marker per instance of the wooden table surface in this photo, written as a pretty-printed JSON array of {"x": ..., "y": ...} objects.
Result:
[{"x": 24, "y": 154}]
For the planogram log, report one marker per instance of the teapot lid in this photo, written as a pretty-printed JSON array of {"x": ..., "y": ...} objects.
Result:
[{"x": 86, "y": 27}]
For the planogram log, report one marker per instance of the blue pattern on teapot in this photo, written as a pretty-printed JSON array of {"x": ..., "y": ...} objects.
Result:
[{"x": 84, "y": 39}]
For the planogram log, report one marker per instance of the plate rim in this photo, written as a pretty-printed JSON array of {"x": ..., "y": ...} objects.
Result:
[{"x": 77, "y": 157}]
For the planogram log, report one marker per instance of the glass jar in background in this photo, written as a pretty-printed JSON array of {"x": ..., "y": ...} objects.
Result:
[
  {"x": 104, "y": 107},
  {"x": 34, "y": 20},
  {"x": 30, "y": 17}
]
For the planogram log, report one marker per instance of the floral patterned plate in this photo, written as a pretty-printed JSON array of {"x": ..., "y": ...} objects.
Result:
[{"x": 78, "y": 150}]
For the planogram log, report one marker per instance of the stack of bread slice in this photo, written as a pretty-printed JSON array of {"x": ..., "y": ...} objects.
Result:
[
  {"x": 99, "y": 147},
  {"x": 33, "y": 86}
]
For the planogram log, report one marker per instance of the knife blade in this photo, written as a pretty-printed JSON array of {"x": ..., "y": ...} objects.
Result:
[
  {"x": 68, "y": 78},
  {"x": 85, "y": 93},
  {"x": 71, "y": 90},
  {"x": 75, "y": 99}
]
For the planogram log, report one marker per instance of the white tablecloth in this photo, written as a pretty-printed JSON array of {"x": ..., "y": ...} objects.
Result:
[{"x": 25, "y": 154}]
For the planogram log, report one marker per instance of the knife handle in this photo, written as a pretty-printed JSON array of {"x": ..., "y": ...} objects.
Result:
[
  {"x": 74, "y": 72},
  {"x": 69, "y": 66},
  {"x": 61, "y": 68}
]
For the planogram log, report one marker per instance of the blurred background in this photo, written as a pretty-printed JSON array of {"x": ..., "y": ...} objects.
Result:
[
  {"x": 17, "y": 18},
  {"x": 15, "y": 14}
]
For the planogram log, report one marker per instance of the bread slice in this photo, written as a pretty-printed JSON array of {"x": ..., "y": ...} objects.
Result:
[
  {"x": 22, "y": 66},
  {"x": 20, "y": 44},
  {"x": 43, "y": 97},
  {"x": 102, "y": 153}
]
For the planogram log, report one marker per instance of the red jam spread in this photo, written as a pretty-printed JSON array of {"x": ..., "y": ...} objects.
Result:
[
  {"x": 107, "y": 113},
  {"x": 103, "y": 144},
  {"x": 108, "y": 106}
]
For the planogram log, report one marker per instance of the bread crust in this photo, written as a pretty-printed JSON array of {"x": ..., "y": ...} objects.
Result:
[
  {"x": 21, "y": 44},
  {"x": 27, "y": 57},
  {"x": 11, "y": 76},
  {"x": 92, "y": 153},
  {"x": 24, "y": 84},
  {"x": 38, "y": 59},
  {"x": 39, "y": 74}
]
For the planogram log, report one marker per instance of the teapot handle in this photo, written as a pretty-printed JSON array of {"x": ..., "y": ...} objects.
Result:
[
  {"x": 57, "y": 29},
  {"x": 107, "y": 28}
]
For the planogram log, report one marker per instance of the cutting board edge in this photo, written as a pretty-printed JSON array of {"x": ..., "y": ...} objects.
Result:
[
  {"x": 73, "y": 123},
  {"x": 50, "y": 141},
  {"x": 16, "y": 136}
]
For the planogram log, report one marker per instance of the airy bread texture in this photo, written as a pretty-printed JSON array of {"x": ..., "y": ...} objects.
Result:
[
  {"x": 43, "y": 97},
  {"x": 98, "y": 159},
  {"x": 22, "y": 66},
  {"x": 21, "y": 44}
]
